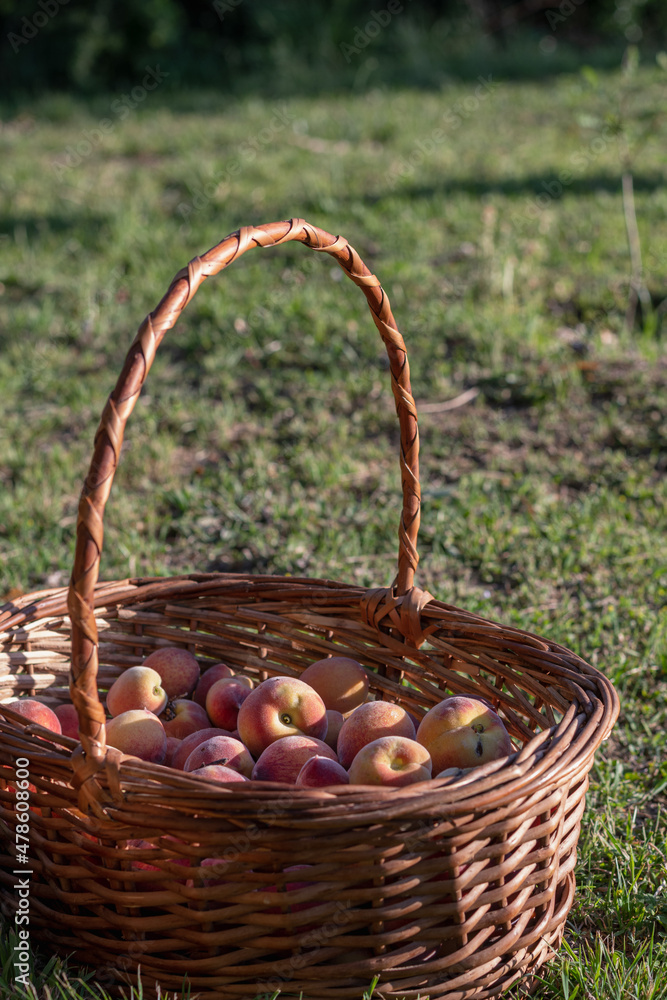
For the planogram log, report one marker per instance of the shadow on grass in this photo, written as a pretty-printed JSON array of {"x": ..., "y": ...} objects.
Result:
[
  {"x": 532, "y": 184},
  {"x": 86, "y": 226}
]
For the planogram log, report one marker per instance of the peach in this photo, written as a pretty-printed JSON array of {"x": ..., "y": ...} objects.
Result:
[
  {"x": 207, "y": 679},
  {"x": 221, "y": 750},
  {"x": 369, "y": 722},
  {"x": 178, "y": 669},
  {"x": 293, "y": 907},
  {"x": 139, "y": 733},
  {"x": 218, "y": 866},
  {"x": 283, "y": 759},
  {"x": 414, "y": 719},
  {"x": 138, "y": 687},
  {"x": 277, "y": 708},
  {"x": 218, "y": 772},
  {"x": 390, "y": 760},
  {"x": 335, "y": 721},
  {"x": 69, "y": 719},
  {"x": 142, "y": 866},
  {"x": 319, "y": 772},
  {"x": 183, "y": 717},
  {"x": 193, "y": 740},
  {"x": 341, "y": 682},
  {"x": 36, "y": 711},
  {"x": 463, "y": 732},
  {"x": 223, "y": 701},
  {"x": 453, "y": 772},
  {"x": 173, "y": 743},
  {"x": 139, "y": 865}
]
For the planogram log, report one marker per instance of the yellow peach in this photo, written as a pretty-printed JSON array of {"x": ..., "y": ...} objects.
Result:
[
  {"x": 341, "y": 682},
  {"x": 390, "y": 760},
  {"x": 137, "y": 687},
  {"x": 277, "y": 708},
  {"x": 463, "y": 732},
  {"x": 369, "y": 722},
  {"x": 139, "y": 733},
  {"x": 178, "y": 669}
]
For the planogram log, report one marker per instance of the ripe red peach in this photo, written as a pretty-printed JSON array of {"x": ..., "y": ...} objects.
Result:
[
  {"x": 138, "y": 733},
  {"x": 173, "y": 743},
  {"x": 277, "y": 708},
  {"x": 369, "y": 722},
  {"x": 207, "y": 679},
  {"x": 36, "y": 711},
  {"x": 138, "y": 865},
  {"x": 193, "y": 740},
  {"x": 390, "y": 760},
  {"x": 183, "y": 717},
  {"x": 217, "y": 866},
  {"x": 138, "y": 687},
  {"x": 178, "y": 669},
  {"x": 223, "y": 701},
  {"x": 283, "y": 759},
  {"x": 69, "y": 719},
  {"x": 463, "y": 732},
  {"x": 293, "y": 907},
  {"x": 143, "y": 866},
  {"x": 218, "y": 772},
  {"x": 415, "y": 719},
  {"x": 453, "y": 772},
  {"x": 319, "y": 772},
  {"x": 221, "y": 750},
  {"x": 335, "y": 721},
  {"x": 341, "y": 682}
]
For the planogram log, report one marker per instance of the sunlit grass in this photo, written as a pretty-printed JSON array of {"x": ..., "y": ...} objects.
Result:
[{"x": 266, "y": 440}]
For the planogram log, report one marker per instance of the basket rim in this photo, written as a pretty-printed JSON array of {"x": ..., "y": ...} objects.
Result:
[{"x": 551, "y": 757}]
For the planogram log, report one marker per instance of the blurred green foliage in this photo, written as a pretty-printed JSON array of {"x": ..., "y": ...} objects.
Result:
[{"x": 284, "y": 46}]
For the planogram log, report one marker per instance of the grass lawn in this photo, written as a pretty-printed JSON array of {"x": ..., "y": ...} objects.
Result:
[{"x": 267, "y": 442}]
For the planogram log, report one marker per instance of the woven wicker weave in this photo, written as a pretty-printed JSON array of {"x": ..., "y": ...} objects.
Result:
[{"x": 453, "y": 888}]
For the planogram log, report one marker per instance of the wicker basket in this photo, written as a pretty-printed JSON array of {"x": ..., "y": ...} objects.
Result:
[{"x": 453, "y": 888}]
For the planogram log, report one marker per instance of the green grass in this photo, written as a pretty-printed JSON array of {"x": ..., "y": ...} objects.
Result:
[{"x": 266, "y": 438}]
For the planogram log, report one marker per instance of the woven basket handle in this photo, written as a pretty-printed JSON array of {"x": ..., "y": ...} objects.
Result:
[{"x": 109, "y": 438}]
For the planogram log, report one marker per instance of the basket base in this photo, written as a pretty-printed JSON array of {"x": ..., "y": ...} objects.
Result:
[{"x": 508, "y": 976}]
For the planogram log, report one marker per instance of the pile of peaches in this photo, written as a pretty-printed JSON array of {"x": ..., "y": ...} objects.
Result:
[{"x": 318, "y": 730}]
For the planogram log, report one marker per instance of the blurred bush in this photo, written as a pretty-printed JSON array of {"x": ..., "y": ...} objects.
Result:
[{"x": 287, "y": 45}]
